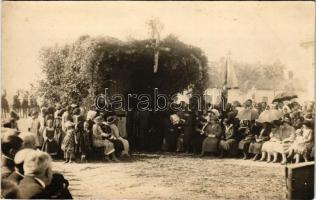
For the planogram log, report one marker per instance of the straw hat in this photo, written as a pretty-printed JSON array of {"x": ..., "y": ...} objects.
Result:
[
  {"x": 98, "y": 119},
  {"x": 111, "y": 119}
]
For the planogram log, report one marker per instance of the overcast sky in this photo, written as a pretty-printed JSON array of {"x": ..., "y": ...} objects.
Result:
[{"x": 252, "y": 31}]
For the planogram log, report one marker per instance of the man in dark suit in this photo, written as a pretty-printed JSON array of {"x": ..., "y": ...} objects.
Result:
[
  {"x": 10, "y": 145},
  {"x": 38, "y": 175},
  {"x": 19, "y": 158},
  {"x": 57, "y": 189}
]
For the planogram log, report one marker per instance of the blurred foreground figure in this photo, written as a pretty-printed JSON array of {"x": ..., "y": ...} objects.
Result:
[{"x": 38, "y": 174}]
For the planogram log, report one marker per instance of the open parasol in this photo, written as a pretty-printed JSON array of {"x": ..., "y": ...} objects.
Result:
[
  {"x": 269, "y": 116},
  {"x": 284, "y": 96},
  {"x": 247, "y": 114}
]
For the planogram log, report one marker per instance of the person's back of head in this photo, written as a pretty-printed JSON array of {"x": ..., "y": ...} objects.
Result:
[
  {"x": 20, "y": 157},
  {"x": 38, "y": 164},
  {"x": 10, "y": 144},
  {"x": 28, "y": 140}
]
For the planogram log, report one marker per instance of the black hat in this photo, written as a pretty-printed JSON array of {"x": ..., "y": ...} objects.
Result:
[{"x": 308, "y": 123}]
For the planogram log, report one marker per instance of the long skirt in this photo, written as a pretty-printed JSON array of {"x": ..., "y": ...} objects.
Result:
[
  {"x": 197, "y": 141},
  {"x": 59, "y": 137},
  {"x": 118, "y": 146},
  {"x": 244, "y": 145},
  {"x": 301, "y": 147},
  {"x": 108, "y": 146},
  {"x": 125, "y": 146},
  {"x": 50, "y": 147},
  {"x": 39, "y": 140},
  {"x": 180, "y": 143},
  {"x": 255, "y": 147},
  {"x": 276, "y": 147},
  {"x": 229, "y": 145},
  {"x": 122, "y": 126},
  {"x": 187, "y": 137},
  {"x": 210, "y": 145},
  {"x": 171, "y": 140}
]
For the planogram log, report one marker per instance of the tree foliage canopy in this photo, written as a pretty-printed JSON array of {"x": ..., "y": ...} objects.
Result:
[
  {"x": 84, "y": 68},
  {"x": 261, "y": 76}
]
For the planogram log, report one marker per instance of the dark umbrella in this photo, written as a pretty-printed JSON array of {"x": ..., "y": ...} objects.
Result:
[
  {"x": 247, "y": 114},
  {"x": 284, "y": 96}
]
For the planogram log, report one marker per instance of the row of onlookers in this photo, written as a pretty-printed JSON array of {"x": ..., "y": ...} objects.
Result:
[{"x": 26, "y": 173}]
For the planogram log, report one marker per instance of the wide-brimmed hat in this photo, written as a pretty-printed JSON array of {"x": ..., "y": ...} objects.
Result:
[
  {"x": 98, "y": 119},
  {"x": 111, "y": 119},
  {"x": 216, "y": 112},
  {"x": 308, "y": 123}
]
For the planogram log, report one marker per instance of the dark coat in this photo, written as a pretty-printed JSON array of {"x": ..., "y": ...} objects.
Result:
[
  {"x": 7, "y": 167},
  {"x": 58, "y": 188},
  {"x": 15, "y": 177},
  {"x": 32, "y": 189}
]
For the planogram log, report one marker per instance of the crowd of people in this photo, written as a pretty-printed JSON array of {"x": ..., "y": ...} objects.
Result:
[
  {"x": 26, "y": 172},
  {"x": 282, "y": 131},
  {"x": 54, "y": 133},
  {"x": 258, "y": 131}
]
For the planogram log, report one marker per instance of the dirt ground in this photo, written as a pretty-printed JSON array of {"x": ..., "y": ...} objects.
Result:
[
  {"x": 153, "y": 176},
  {"x": 174, "y": 176}
]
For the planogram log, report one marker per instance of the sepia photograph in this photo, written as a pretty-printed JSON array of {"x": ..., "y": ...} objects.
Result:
[{"x": 145, "y": 100}]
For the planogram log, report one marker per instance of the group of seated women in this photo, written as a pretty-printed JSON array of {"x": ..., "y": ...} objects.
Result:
[{"x": 259, "y": 141}]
